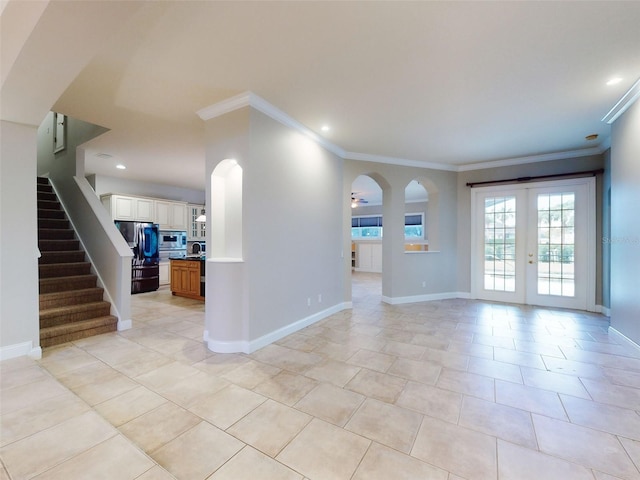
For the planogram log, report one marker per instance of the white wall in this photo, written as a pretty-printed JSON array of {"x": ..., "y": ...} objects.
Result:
[
  {"x": 404, "y": 274},
  {"x": 292, "y": 230},
  {"x": 625, "y": 227},
  {"x": 19, "y": 322}
]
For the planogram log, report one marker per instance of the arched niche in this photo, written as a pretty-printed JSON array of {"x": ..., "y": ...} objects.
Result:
[
  {"x": 421, "y": 198},
  {"x": 226, "y": 211}
]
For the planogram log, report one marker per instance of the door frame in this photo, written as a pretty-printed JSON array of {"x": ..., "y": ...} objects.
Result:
[{"x": 590, "y": 182}]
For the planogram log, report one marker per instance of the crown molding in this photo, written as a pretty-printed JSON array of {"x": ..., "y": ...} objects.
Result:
[
  {"x": 250, "y": 99},
  {"x": 367, "y": 157},
  {"x": 625, "y": 102}
]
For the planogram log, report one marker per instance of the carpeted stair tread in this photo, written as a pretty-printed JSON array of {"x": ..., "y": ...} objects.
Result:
[
  {"x": 58, "y": 245},
  {"x": 46, "y": 214},
  {"x": 56, "y": 234},
  {"x": 68, "y": 256},
  {"x": 70, "y": 297},
  {"x": 51, "y": 317},
  {"x": 50, "y": 270},
  {"x": 50, "y": 336},
  {"x": 61, "y": 284}
]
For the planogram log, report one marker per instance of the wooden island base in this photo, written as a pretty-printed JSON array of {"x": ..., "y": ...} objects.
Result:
[{"x": 187, "y": 276}]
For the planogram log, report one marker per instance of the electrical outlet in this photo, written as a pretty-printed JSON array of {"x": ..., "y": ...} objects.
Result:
[
  {"x": 309, "y": 302},
  {"x": 319, "y": 298}
]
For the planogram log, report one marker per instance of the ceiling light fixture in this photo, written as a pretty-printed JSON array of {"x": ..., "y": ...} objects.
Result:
[
  {"x": 121, "y": 167},
  {"x": 325, "y": 128},
  {"x": 614, "y": 81}
]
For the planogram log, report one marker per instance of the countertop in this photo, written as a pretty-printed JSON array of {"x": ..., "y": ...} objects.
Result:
[{"x": 191, "y": 258}]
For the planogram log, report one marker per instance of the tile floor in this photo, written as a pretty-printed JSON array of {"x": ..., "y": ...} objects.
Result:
[{"x": 446, "y": 390}]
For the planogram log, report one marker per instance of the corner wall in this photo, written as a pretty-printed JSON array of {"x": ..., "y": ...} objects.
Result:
[
  {"x": 625, "y": 227},
  {"x": 19, "y": 321}
]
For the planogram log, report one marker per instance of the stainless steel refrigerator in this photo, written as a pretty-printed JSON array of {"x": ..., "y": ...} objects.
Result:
[{"x": 145, "y": 264}]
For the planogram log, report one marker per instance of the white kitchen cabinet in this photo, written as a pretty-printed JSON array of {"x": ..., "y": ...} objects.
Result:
[
  {"x": 122, "y": 207},
  {"x": 369, "y": 257},
  {"x": 165, "y": 278},
  {"x": 171, "y": 215},
  {"x": 196, "y": 231}
]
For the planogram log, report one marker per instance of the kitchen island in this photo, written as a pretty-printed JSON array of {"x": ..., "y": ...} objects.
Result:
[{"x": 187, "y": 277}]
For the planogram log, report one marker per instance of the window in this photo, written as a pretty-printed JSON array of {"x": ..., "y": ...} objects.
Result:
[{"x": 370, "y": 226}]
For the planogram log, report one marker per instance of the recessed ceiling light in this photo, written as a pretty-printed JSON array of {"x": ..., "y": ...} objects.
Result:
[
  {"x": 614, "y": 81},
  {"x": 325, "y": 128},
  {"x": 121, "y": 167}
]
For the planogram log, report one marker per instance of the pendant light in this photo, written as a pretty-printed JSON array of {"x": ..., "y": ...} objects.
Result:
[{"x": 202, "y": 217}]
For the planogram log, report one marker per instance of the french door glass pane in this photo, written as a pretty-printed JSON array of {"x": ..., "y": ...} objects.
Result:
[
  {"x": 556, "y": 244},
  {"x": 499, "y": 243}
]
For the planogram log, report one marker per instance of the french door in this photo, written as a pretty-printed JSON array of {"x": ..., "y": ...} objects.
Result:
[{"x": 535, "y": 243}]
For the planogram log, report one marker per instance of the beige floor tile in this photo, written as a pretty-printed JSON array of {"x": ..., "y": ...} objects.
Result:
[
  {"x": 404, "y": 350},
  {"x": 113, "y": 458},
  {"x": 324, "y": 451},
  {"x": 418, "y": 370},
  {"x": 270, "y": 427},
  {"x": 65, "y": 358},
  {"x": 523, "y": 359},
  {"x": 198, "y": 452},
  {"x": 621, "y": 396},
  {"x": 471, "y": 349},
  {"x": 622, "y": 377},
  {"x": 504, "y": 422},
  {"x": 382, "y": 463},
  {"x": 286, "y": 387},
  {"x": 377, "y": 385},
  {"x": 539, "y": 348},
  {"x": 251, "y": 374},
  {"x": 555, "y": 382},
  {"x": 333, "y": 371},
  {"x": 389, "y": 425},
  {"x": 37, "y": 417},
  {"x": 91, "y": 373},
  {"x": 159, "y": 426},
  {"x": 102, "y": 390},
  {"x": 466, "y": 383},
  {"x": 377, "y": 361},
  {"x": 192, "y": 353},
  {"x": 250, "y": 464},
  {"x": 606, "y": 418},
  {"x": 221, "y": 363},
  {"x": 632, "y": 448},
  {"x": 45, "y": 449},
  {"x": 29, "y": 394},
  {"x": 330, "y": 403},
  {"x": 447, "y": 359},
  {"x": 227, "y": 406},
  {"x": 192, "y": 389},
  {"x": 530, "y": 399},
  {"x": 432, "y": 401},
  {"x": 493, "y": 369},
  {"x": 588, "y": 447},
  {"x": 287, "y": 358},
  {"x": 166, "y": 375},
  {"x": 337, "y": 351},
  {"x": 470, "y": 454},
  {"x": 21, "y": 376},
  {"x": 129, "y": 405},
  {"x": 569, "y": 367},
  {"x": 518, "y": 463},
  {"x": 156, "y": 473},
  {"x": 144, "y": 362},
  {"x": 493, "y": 341}
]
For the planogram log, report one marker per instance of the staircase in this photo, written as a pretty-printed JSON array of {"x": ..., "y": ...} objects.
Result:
[{"x": 71, "y": 305}]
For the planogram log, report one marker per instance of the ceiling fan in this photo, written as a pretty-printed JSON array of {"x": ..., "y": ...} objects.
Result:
[{"x": 355, "y": 201}]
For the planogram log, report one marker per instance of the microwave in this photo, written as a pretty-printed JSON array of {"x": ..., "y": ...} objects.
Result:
[{"x": 172, "y": 240}]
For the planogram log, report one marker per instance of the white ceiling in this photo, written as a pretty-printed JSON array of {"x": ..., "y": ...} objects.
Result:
[{"x": 446, "y": 83}]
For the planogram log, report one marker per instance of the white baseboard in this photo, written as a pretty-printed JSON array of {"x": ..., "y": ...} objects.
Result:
[
  {"x": 606, "y": 311},
  {"x": 623, "y": 339},
  {"x": 20, "y": 350},
  {"x": 429, "y": 297},
  {"x": 124, "y": 325},
  {"x": 250, "y": 346}
]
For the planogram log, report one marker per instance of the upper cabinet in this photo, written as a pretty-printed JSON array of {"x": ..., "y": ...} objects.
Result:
[
  {"x": 171, "y": 215},
  {"x": 167, "y": 214},
  {"x": 129, "y": 208},
  {"x": 196, "y": 231}
]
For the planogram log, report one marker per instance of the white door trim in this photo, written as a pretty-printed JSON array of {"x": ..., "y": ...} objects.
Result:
[{"x": 591, "y": 228}]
